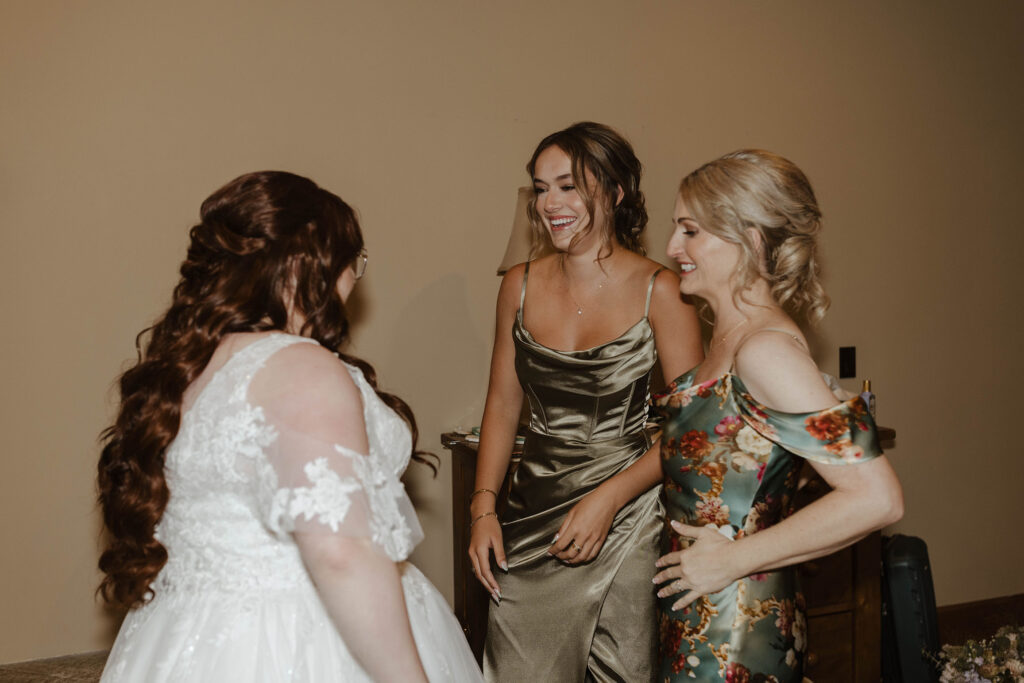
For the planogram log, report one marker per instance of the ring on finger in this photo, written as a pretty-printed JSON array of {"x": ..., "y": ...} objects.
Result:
[
  {"x": 678, "y": 585},
  {"x": 576, "y": 547}
]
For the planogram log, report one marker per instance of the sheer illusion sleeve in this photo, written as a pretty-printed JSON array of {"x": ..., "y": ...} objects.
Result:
[
  {"x": 337, "y": 453},
  {"x": 840, "y": 435}
]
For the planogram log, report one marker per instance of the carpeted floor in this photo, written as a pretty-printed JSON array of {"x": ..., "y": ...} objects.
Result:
[{"x": 83, "y": 668}]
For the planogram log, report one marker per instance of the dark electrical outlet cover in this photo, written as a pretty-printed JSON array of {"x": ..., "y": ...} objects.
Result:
[{"x": 847, "y": 362}]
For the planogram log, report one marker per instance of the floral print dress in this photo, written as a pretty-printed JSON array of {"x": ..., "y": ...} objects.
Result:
[{"x": 730, "y": 462}]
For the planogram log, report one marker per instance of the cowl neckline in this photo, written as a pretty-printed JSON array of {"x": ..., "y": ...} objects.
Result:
[{"x": 637, "y": 334}]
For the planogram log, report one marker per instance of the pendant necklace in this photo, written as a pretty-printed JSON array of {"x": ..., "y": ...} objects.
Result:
[{"x": 568, "y": 288}]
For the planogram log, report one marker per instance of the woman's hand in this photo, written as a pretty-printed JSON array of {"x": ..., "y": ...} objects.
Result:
[
  {"x": 585, "y": 528},
  {"x": 485, "y": 537},
  {"x": 703, "y": 568}
]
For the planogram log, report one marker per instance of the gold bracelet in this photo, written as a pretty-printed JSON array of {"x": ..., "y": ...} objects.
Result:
[
  {"x": 473, "y": 495},
  {"x": 479, "y": 517}
]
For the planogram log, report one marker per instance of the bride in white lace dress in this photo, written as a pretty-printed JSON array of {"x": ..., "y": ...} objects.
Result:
[{"x": 263, "y": 535}]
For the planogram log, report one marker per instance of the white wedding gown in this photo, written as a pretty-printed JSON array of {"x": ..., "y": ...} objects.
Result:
[{"x": 234, "y": 601}]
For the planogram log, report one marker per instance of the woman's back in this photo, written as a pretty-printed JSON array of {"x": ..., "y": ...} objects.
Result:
[
  {"x": 234, "y": 600},
  {"x": 219, "y": 479}
]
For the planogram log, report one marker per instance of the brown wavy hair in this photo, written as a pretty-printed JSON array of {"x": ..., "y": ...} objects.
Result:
[
  {"x": 267, "y": 243},
  {"x": 609, "y": 157}
]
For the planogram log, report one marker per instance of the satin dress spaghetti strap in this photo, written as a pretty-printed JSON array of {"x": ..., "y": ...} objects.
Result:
[{"x": 595, "y": 621}]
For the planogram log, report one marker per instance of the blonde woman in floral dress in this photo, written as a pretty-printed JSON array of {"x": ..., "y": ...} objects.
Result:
[{"x": 738, "y": 426}]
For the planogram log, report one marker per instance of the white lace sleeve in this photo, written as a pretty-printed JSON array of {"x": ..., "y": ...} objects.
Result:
[{"x": 324, "y": 474}]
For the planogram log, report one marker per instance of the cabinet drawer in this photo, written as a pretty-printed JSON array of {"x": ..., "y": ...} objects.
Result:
[
  {"x": 829, "y": 657},
  {"x": 827, "y": 582}
]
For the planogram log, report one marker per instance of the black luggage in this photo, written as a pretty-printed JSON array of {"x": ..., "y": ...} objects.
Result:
[{"x": 910, "y": 634}]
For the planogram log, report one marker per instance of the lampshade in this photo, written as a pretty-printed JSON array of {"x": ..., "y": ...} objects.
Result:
[{"x": 521, "y": 236}]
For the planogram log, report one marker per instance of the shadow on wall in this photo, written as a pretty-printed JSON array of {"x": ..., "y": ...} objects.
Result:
[{"x": 440, "y": 380}]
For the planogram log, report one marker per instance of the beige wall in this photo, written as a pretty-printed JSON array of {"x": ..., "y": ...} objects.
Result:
[{"x": 117, "y": 118}]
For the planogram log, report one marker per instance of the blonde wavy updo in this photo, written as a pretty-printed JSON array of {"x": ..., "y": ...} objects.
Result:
[{"x": 752, "y": 188}]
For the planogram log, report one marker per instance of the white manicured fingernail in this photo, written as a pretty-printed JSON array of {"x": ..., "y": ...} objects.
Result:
[{"x": 504, "y": 565}]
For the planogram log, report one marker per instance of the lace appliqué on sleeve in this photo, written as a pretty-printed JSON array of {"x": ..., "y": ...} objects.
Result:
[
  {"x": 388, "y": 526},
  {"x": 328, "y": 499}
]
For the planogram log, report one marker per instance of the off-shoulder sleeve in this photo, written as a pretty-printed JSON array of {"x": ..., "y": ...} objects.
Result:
[
  {"x": 841, "y": 435},
  {"x": 314, "y": 480}
]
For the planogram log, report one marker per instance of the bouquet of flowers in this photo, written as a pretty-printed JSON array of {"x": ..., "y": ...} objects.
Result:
[{"x": 997, "y": 659}]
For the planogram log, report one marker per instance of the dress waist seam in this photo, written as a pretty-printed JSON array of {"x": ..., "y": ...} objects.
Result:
[{"x": 641, "y": 435}]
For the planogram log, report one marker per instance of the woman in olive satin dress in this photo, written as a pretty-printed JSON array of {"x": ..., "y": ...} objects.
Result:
[{"x": 578, "y": 331}]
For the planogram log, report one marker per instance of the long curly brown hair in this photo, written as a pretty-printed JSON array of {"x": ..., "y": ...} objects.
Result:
[{"x": 268, "y": 243}]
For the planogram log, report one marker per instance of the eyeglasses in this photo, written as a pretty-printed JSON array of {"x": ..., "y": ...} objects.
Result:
[{"x": 359, "y": 265}]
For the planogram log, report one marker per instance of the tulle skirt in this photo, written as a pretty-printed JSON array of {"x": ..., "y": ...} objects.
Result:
[{"x": 273, "y": 637}]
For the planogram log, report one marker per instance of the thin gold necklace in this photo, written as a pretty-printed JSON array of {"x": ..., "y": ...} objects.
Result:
[
  {"x": 568, "y": 288},
  {"x": 721, "y": 340}
]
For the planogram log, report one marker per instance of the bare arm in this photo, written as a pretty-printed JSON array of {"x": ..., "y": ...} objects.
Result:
[
  {"x": 676, "y": 329},
  {"x": 865, "y": 497},
  {"x": 635, "y": 479},
  {"x": 316, "y": 407},
  {"x": 497, "y": 436},
  {"x": 362, "y": 591}
]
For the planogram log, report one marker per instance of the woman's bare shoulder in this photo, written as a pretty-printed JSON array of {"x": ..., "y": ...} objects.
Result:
[
  {"x": 545, "y": 265},
  {"x": 777, "y": 368},
  {"x": 307, "y": 370},
  {"x": 665, "y": 290},
  {"x": 512, "y": 280}
]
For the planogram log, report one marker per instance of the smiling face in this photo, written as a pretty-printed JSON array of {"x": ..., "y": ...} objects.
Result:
[
  {"x": 560, "y": 206},
  {"x": 706, "y": 262}
]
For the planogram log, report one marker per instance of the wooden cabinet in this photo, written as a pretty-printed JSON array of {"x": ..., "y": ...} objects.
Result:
[
  {"x": 844, "y": 599},
  {"x": 844, "y": 605},
  {"x": 843, "y": 590},
  {"x": 470, "y": 597}
]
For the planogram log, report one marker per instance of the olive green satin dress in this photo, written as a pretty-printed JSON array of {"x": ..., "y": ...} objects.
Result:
[{"x": 596, "y": 621}]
